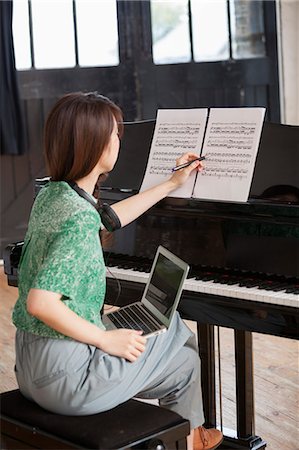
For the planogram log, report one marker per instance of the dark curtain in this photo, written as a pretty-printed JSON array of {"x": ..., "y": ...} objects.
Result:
[{"x": 11, "y": 121}]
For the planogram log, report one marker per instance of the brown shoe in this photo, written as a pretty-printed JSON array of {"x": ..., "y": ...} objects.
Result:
[{"x": 207, "y": 439}]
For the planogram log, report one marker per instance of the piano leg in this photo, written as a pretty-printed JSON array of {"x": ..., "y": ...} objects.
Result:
[
  {"x": 207, "y": 355},
  {"x": 244, "y": 383},
  {"x": 243, "y": 438}
]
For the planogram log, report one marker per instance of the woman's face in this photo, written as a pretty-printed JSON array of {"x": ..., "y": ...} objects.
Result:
[{"x": 110, "y": 154}]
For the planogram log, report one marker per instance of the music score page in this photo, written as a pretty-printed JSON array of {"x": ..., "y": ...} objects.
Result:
[
  {"x": 231, "y": 144},
  {"x": 177, "y": 131}
]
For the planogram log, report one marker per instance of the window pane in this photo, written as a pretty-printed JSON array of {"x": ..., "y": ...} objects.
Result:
[
  {"x": 248, "y": 38},
  {"x": 170, "y": 29},
  {"x": 53, "y": 33},
  {"x": 210, "y": 30},
  {"x": 97, "y": 32},
  {"x": 21, "y": 37}
]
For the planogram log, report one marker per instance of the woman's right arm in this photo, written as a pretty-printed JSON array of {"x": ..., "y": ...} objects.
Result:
[{"x": 48, "y": 307}]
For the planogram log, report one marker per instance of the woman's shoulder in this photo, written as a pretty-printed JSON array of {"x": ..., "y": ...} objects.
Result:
[{"x": 57, "y": 203}]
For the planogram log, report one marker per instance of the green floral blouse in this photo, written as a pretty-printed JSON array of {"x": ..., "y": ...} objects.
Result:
[{"x": 62, "y": 253}]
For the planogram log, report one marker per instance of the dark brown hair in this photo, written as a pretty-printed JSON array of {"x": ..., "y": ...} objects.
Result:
[{"x": 77, "y": 131}]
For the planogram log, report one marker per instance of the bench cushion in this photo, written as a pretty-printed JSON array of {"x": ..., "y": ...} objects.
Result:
[{"x": 113, "y": 429}]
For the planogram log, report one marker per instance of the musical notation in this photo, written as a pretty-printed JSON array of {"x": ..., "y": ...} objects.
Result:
[
  {"x": 177, "y": 135},
  {"x": 230, "y": 147},
  {"x": 227, "y": 165},
  {"x": 227, "y": 172},
  {"x": 162, "y": 162},
  {"x": 159, "y": 170},
  {"x": 229, "y": 150},
  {"x": 178, "y": 128},
  {"x": 176, "y": 132},
  {"x": 229, "y": 143},
  {"x": 235, "y": 128},
  {"x": 239, "y": 144}
]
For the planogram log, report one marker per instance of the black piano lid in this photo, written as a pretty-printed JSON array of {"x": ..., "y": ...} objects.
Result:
[
  {"x": 276, "y": 175},
  {"x": 130, "y": 167}
]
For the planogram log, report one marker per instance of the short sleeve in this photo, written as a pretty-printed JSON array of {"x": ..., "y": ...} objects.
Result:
[{"x": 68, "y": 255}]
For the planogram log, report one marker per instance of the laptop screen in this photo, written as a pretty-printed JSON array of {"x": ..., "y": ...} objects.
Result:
[{"x": 165, "y": 284}]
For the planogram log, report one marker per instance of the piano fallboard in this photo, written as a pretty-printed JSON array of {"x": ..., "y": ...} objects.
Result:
[{"x": 252, "y": 237}]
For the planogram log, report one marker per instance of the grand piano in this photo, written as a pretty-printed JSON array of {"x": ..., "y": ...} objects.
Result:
[{"x": 244, "y": 259}]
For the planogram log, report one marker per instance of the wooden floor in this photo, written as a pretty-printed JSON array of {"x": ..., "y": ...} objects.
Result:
[{"x": 276, "y": 378}]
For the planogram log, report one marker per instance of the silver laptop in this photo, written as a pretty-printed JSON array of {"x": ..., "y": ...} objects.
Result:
[{"x": 153, "y": 314}]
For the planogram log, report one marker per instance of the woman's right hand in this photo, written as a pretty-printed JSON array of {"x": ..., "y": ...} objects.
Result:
[
  {"x": 124, "y": 343},
  {"x": 180, "y": 176}
]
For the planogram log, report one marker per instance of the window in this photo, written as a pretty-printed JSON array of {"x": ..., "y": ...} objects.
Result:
[
  {"x": 170, "y": 30},
  {"x": 65, "y": 33},
  {"x": 248, "y": 38},
  {"x": 206, "y": 30},
  {"x": 53, "y": 36},
  {"x": 210, "y": 30},
  {"x": 21, "y": 34},
  {"x": 97, "y": 33}
]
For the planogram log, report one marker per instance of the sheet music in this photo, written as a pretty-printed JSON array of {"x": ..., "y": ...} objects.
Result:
[
  {"x": 177, "y": 131},
  {"x": 230, "y": 146}
]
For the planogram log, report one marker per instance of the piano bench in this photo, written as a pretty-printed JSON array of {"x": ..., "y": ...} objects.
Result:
[{"x": 132, "y": 425}]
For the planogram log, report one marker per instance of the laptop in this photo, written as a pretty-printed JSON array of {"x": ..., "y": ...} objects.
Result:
[{"x": 162, "y": 293}]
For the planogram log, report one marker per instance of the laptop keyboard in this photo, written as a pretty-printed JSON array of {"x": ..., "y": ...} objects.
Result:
[{"x": 134, "y": 317}]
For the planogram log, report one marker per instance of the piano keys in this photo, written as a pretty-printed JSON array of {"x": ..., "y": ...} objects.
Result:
[{"x": 276, "y": 291}]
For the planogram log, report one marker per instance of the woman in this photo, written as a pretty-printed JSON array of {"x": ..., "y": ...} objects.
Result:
[{"x": 65, "y": 360}]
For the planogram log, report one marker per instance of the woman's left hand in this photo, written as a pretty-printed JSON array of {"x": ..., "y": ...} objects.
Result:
[{"x": 180, "y": 176}]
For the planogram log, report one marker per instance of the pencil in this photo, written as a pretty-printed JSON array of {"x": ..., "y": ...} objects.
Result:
[{"x": 182, "y": 166}]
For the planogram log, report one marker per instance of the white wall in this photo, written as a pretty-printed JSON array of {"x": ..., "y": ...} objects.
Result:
[{"x": 288, "y": 36}]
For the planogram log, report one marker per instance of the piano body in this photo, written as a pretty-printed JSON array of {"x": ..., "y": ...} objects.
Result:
[{"x": 244, "y": 259}]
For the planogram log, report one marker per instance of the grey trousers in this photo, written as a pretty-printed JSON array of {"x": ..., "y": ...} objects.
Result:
[{"x": 68, "y": 377}]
